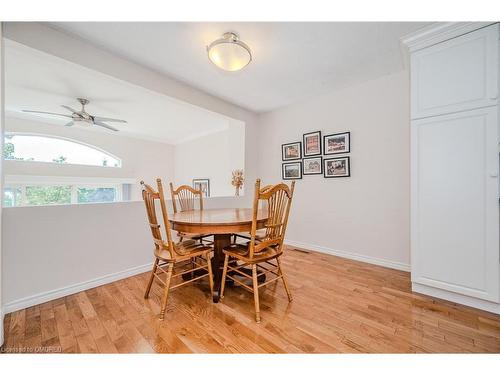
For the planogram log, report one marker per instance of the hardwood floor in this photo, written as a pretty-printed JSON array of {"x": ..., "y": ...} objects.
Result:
[{"x": 347, "y": 307}]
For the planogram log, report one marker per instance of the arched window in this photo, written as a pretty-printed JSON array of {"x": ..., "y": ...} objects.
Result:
[{"x": 49, "y": 149}]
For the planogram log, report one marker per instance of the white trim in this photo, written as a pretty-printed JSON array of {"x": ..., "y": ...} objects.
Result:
[
  {"x": 2, "y": 123},
  {"x": 439, "y": 32},
  {"x": 456, "y": 298},
  {"x": 1, "y": 326},
  {"x": 350, "y": 255},
  {"x": 67, "y": 180},
  {"x": 43, "y": 297}
]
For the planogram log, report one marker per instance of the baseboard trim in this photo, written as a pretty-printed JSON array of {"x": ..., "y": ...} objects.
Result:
[
  {"x": 36, "y": 299},
  {"x": 456, "y": 298},
  {"x": 349, "y": 255},
  {"x": 1, "y": 326}
]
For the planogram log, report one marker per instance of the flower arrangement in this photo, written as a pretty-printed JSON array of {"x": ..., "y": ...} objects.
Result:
[{"x": 237, "y": 180}]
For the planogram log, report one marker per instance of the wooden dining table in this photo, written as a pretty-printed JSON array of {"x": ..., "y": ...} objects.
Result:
[{"x": 221, "y": 223}]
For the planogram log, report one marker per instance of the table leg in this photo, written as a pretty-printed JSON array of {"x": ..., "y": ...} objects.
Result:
[{"x": 220, "y": 242}]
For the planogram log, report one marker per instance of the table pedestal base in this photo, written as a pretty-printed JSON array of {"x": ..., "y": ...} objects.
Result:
[{"x": 221, "y": 241}]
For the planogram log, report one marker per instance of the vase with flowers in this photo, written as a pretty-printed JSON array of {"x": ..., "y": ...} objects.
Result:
[{"x": 237, "y": 180}]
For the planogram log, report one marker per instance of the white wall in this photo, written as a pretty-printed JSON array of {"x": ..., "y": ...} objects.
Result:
[
  {"x": 365, "y": 216},
  {"x": 78, "y": 51},
  {"x": 84, "y": 245},
  {"x": 213, "y": 156},
  {"x": 140, "y": 159},
  {"x": 53, "y": 251}
]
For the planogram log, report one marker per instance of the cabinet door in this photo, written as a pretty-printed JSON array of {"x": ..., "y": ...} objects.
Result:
[
  {"x": 454, "y": 203},
  {"x": 456, "y": 75}
]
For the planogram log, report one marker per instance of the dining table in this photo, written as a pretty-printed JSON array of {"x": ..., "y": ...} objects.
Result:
[{"x": 221, "y": 223}]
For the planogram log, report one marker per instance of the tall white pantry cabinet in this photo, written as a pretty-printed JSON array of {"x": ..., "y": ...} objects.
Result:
[{"x": 455, "y": 252}]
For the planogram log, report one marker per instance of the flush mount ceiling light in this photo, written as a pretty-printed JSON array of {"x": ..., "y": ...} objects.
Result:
[{"x": 229, "y": 53}]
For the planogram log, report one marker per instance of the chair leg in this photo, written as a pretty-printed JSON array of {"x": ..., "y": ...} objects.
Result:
[
  {"x": 256, "y": 293},
  {"x": 150, "y": 282},
  {"x": 224, "y": 272},
  {"x": 210, "y": 274},
  {"x": 165, "y": 293},
  {"x": 280, "y": 272}
]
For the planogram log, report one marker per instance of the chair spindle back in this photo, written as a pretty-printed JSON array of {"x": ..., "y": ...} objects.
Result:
[
  {"x": 184, "y": 198},
  {"x": 277, "y": 199},
  {"x": 150, "y": 197}
]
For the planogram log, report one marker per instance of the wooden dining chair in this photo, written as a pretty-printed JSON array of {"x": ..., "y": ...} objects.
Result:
[
  {"x": 263, "y": 255},
  {"x": 184, "y": 198},
  {"x": 170, "y": 255},
  {"x": 259, "y": 235}
]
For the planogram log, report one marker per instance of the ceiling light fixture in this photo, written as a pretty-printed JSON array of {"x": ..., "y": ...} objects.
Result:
[{"x": 229, "y": 53}]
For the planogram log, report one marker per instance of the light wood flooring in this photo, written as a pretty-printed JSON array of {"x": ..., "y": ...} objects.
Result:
[{"x": 339, "y": 305}]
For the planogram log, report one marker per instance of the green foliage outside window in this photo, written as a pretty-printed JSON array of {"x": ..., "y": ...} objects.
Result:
[
  {"x": 43, "y": 195},
  {"x": 89, "y": 195}
]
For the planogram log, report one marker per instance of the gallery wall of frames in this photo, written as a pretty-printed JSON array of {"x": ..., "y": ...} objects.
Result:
[{"x": 316, "y": 155}]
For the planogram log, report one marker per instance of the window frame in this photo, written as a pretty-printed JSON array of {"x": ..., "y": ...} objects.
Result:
[
  {"x": 72, "y": 140},
  {"x": 23, "y": 181}
]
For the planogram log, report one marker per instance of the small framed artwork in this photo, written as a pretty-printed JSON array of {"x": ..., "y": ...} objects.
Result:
[
  {"x": 312, "y": 165},
  {"x": 337, "y": 167},
  {"x": 292, "y": 171},
  {"x": 312, "y": 143},
  {"x": 337, "y": 143},
  {"x": 202, "y": 184},
  {"x": 291, "y": 151}
]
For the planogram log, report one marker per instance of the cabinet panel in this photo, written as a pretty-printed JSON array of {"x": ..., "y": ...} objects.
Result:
[
  {"x": 455, "y": 244},
  {"x": 456, "y": 75}
]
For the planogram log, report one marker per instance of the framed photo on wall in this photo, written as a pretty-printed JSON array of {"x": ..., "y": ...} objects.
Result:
[
  {"x": 338, "y": 143},
  {"x": 337, "y": 167},
  {"x": 312, "y": 165},
  {"x": 312, "y": 143},
  {"x": 292, "y": 171},
  {"x": 291, "y": 151},
  {"x": 202, "y": 184}
]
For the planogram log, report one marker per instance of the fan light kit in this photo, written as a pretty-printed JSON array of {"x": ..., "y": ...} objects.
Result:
[
  {"x": 82, "y": 117},
  {"x": 229, "y": 53}
]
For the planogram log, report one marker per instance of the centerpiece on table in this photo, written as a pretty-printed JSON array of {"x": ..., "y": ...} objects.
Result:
[{"x": 237, "y": 180}]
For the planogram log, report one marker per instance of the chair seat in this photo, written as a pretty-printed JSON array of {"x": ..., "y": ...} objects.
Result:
[
  {"x": 188, "y": 249},
  {"x": 259, "y": 235},
  {"x": 240, "y": 251}
]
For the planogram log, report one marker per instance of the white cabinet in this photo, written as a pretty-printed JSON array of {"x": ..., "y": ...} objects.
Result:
[
  {"x": 455, "y": 244},
  {"x": 455, "y": 75}
]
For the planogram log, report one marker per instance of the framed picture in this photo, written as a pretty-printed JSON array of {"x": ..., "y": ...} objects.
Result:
[
  {"x": 202, "y": 184},
  {"x": 337, "y": 167},
  {"x": 337, "y": 143},
  {"x": 292, "y": 171},
  {"x": 291, "y": 151},
  {"x": 312, "y": 143},
  {"x": 312, "y": 165}
]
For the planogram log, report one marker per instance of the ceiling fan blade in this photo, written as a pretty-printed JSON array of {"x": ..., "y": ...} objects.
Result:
[
  {"x": 47, "y": 113},
  {"x": 71, "y": 123},
  {"x": 97, "y": 118},
  {"x": 69, "y": 108},
  {"x": 99, "y": 123}
]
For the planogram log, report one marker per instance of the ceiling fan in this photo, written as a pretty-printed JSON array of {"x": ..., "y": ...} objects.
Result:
[{"x": 82, "y": 117}]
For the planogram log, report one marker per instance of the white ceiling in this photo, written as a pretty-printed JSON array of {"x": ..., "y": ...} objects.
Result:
[
  {"x": 291, "y": 61},
  {"x": 38, "y": 81}
]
